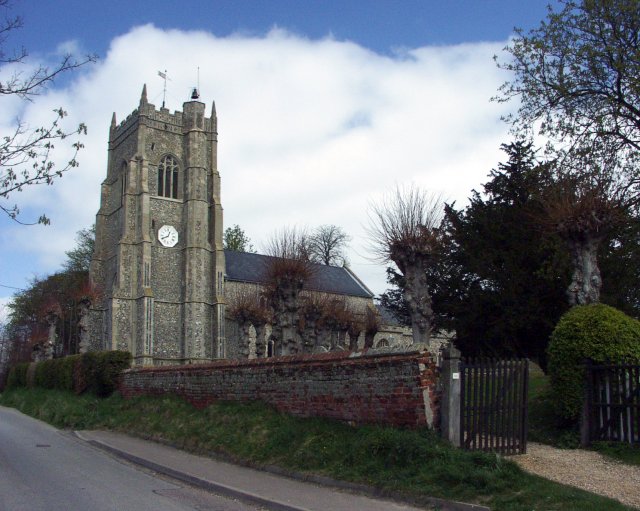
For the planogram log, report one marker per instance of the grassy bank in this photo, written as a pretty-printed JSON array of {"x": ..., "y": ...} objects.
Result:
[{"x": 412, "y": 462}]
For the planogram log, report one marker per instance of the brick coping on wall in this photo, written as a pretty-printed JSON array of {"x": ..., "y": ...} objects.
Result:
[{"x": 365, "y": 356}]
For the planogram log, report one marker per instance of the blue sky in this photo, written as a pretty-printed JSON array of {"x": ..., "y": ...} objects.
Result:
[
  {"x": 379, "y": 25},
  {"x": 324, "y": 106}
]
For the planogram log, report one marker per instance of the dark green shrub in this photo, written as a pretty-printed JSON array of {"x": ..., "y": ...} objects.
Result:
[
  {"x": 98, "y": 372},
  {"x": 596, "y": 331},
  {"x": 17, "y": 376}
]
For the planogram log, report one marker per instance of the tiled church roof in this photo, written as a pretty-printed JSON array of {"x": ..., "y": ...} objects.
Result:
[{"x": 246, "y": 267}]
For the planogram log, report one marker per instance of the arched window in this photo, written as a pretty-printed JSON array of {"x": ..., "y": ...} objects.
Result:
[
  {"x": 168, "y": 177},
  {"x": 383, "y": 343}
]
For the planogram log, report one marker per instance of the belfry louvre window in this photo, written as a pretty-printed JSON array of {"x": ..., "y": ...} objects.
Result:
[{"x": 168, "y": 177}]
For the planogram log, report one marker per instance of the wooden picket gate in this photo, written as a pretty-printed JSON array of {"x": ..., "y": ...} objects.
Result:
[
  {"x": 493, "y": 411},
  {"x": 612, "y": 402}
]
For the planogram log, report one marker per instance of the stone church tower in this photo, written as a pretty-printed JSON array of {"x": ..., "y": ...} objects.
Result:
[{"x": 158, "y": 264}]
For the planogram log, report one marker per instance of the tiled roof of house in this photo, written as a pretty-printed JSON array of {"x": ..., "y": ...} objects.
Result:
[{"x": 246, "y": 267}]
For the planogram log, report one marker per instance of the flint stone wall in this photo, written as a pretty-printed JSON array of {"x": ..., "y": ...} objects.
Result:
[{"x": 394, "y": 389}]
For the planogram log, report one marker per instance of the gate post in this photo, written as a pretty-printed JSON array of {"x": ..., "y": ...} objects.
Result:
[
  {"x": 450, "y": 404},
  {"x": 585, "y": 419}
]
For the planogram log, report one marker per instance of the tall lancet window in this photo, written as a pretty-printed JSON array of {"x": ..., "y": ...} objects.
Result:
[
  {"x": 123, "y": 187},
  {"x": 168, "y": 177}
]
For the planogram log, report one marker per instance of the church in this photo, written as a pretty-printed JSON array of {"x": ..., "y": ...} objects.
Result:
[{"x": 162, "y": 278}]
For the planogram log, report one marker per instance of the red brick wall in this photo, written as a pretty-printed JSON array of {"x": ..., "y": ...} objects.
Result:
[{"x": 392, "y": 389}]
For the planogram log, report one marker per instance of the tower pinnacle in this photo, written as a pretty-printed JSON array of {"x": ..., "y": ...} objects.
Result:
[{"x": 143, "y": 97}]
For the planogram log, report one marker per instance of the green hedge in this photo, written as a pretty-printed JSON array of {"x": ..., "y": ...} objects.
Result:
[
  {"x": 595, "y": 331},
  {"x": 95, "y": 372},
  {"x": 56, "y": 373}
]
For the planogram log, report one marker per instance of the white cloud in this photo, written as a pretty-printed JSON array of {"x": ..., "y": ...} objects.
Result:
[{"x": 309, "y": 131}]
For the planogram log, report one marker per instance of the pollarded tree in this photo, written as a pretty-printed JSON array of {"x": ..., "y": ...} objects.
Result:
[
  {"x": 404, "y": 229},
  {"x": 25, "y": 152},
  {"x": 288, "y": 269},
  {"x": 585, "y": 210},
  {"x": 247, "y": 308}
]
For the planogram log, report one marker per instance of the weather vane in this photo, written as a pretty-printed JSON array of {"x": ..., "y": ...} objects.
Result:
[{"x": 164, "y": 90}]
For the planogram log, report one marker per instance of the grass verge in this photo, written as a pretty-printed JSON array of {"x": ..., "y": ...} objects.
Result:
[{"x": 415, "y": 463}]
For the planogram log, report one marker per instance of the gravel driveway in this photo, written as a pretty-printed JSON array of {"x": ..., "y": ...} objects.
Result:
[{"x": 583, "y": 469}]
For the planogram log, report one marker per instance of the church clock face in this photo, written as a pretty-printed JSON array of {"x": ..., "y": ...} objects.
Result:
[{"x": 168, "y": 236}]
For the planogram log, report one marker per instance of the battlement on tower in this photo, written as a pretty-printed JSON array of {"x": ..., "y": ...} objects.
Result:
[{"x": 161, "y": 119}]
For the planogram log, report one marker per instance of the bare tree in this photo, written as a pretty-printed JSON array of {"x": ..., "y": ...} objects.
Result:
[
  {"x": 327, "y": 245},
  {"x": 25, "y": 152},
  {"x": 404, "y": 229}
]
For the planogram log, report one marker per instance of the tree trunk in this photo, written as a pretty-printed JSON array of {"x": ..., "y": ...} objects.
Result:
[
  {"x": 309, "y": 335},
  {"x": 244, "y": 339},
  {"x": 416, "y": 294},
  {"x": 83, "y": 324},
  {"x": 261, "y": 342},
  {"x": 286, "y": 315},
  {"x": 324, "y": 338},
  {"x": 368, "y": 340},
  {"x": 354, "y": 334},
  {"x": 585, "y": 281}
]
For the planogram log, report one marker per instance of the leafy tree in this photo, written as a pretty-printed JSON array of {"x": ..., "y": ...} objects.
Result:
[
  {"x": 79, "y": 258},
  {"x": 576, "y": 77},
  {"x": 506, "y": 289},
  {"x": 25, "y": 153},
  {"x": 235, "y": 239},
  {"x": 327, "y": 245},
  {"x": 393, "y": 298},
  {"x": 620, "y": 265},
  {"x": 60, "y": 295},
  {"x": 56, "y": 298},
  {"x": 405, "y": 229}
]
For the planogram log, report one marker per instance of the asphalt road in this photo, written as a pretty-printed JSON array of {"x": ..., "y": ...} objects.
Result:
[{"x": 43, "y": 469}]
